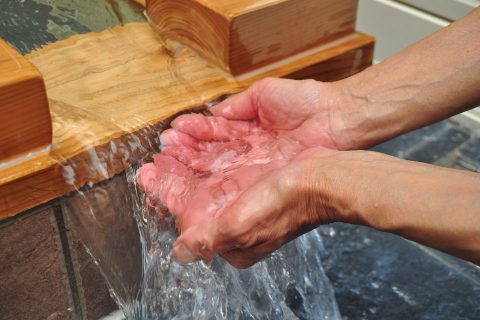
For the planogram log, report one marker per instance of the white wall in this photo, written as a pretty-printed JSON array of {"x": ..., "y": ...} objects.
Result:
[{"x": 399, "y": 23}]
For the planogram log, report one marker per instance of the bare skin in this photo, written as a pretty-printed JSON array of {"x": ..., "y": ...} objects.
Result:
[{"x": 430, "y": 81}]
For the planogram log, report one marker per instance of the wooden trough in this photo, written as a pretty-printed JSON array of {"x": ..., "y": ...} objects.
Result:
[{"x": 103, "y": 86}]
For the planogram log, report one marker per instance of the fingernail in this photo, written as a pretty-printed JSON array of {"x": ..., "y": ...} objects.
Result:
[
  {"x": 227, "y": 110},
  {"x": 173, "y": 123},
  {"x": 163, "y": 140},
  {"x": 182, "y": 254},
  {"x": 220, "y": 109}
]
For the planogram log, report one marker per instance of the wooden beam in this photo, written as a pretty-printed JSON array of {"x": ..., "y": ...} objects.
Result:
[
  {"x": 109, "y": 90},
  {"x": 243, "y": 35},
  {"x": 25, "y": 124}
]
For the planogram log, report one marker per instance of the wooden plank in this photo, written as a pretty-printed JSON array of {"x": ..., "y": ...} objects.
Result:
[
  {"x": 105, "y": 87},
  {"x": 243, "y": 35},
  {"x": 25, "y": 124}
]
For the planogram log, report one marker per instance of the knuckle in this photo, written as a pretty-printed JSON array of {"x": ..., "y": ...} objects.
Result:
[{"x": 259, "y": 86}]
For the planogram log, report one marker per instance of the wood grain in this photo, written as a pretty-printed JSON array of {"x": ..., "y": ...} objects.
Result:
[
  {"x": 110, "y": 92},
  {"x": 25, "y": 124},
  {"x": 243, "y": 35}
]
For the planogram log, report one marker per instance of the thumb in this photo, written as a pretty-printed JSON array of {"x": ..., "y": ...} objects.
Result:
[
  {"x": 234, "y": 228},
  {"x": 240, "y": 106}
]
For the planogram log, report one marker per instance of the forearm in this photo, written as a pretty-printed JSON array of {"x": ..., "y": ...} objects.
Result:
[
  {"x": 431, "y": 80},
  {"x": 435, "y": 206}
]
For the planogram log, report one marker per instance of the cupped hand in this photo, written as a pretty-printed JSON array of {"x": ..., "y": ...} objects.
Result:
[{"x": 307, "y": 111}]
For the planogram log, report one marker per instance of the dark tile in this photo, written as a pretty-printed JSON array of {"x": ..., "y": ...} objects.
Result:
[
  {"x": 438, "y": 145},
  {"x": 472, "y": 150},
  {"x": 401, "y": 145},
  {"x": 33, "y": 277}
]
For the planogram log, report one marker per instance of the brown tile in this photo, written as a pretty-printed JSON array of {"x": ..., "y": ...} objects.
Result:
[
  {"x": 33, "y": 277},
  {"x": 94, "y": 295},
  {"x": 101, "y": 218}
]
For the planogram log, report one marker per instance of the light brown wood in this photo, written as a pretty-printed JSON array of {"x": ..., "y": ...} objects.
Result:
[
  {"x": 25, "y": 124},
  {"x": 140, "y": 2},
  {"x": 105, "y": 87},
  {"x": 242, "y": 35}
]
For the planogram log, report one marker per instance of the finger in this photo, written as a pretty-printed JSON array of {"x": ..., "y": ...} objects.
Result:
[
  {"x": 253, "y": 213},
  {"x": 172, "y": 188},
  {"x": 237, "y": 107},
  {"x": 183, "y": 154},
  {"x": 172, "y": 137},
  {"x": 198, "y": 161},
  {"x": 211, "y": 128},
  {"x": 169, "y": 165},
  {"x": 150, "y": 175},
  {"x": 244, "y": 105},
  {"x": 146, "y": 177},
  {"x": 167, "y": 181}
]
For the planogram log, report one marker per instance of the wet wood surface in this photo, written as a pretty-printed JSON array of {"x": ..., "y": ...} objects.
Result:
[
  {"x": 26, "y": 124},
  {"x": 242, "y": 35}
]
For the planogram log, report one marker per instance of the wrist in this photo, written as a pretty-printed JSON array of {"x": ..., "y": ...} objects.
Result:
[
  {"x": 348, "y": 115},
  {"x": 327, "y": 185},
  {"x": 372, "y": 108}
]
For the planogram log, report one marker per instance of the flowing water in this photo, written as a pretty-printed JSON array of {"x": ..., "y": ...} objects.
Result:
[{"x": 132, "y": 247}]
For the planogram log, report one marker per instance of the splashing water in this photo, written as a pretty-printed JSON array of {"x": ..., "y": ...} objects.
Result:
[{"x": 132, "y": 247}]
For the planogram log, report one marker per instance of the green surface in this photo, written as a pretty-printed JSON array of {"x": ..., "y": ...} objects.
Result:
[{"x": 30, "y": 24}]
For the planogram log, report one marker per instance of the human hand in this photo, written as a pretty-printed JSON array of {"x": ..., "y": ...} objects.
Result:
[
  {"x": 279, "y": 207},
  {"x": 307, "y": 111}
]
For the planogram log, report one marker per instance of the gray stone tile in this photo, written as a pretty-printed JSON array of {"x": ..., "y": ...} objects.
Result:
[
  {"x": 471, "y": 150},
  {"x": 439, "y": 145}
]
